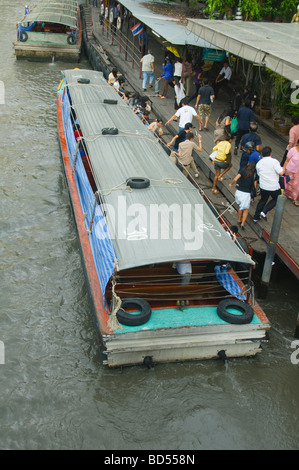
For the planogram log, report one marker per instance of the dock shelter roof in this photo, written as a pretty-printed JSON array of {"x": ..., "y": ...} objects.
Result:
[
  {"x": 166, "y": 27},
  {"x": 274, "y": 45},
  {"x": 55, "y": 11},
  {"x": 135, "y": 152}
]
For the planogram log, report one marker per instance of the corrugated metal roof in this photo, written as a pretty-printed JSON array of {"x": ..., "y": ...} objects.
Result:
[
  {"x": 60, "y": 12},
  {"x": 166, "y": 27},
  {"x": 135, "y": 152},
  {"x": 274, "y": 45}
]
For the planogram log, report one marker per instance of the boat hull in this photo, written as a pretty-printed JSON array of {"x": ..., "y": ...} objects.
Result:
[
  {"x": 184, "y": 344},
  {"x": 170, "y": 335},
  {"x": 44, "y": 49},
  {"x": 47, "y": 51}
]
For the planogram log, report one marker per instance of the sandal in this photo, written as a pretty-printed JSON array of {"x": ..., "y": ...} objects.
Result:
[
  {"x": 215, "y": 191},
  {"x": 296, "y": 203},
  {"x": 220, "y": 178}
]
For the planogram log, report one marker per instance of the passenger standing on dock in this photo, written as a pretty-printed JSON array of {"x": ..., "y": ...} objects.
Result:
[
  {"x": 293, "y": 137},
  {"x": 185, "y": 154},
  {"x": 249, "y": 154},
  {"x": 198, "y": 82},
  {"x": 187, "y": 74},
  {"x": 245, "y": 118},
  {"x": 222, "y": 160},
  {"x": 115, "y": 12},
  {"x": 237, "y": 100},
  {"x": 246, "y": 183},
  {"x": 223, "y": 126},
  {"x": 204, "y": 99},
  {"x": 178, "y": 67},
  {"x": 223, "y": 77},
  {"x": 179, "y": 92},
  {"x": 185, "y": 115},
  {"x": 167, "y": 75},
  {"x": 148, "y": 69},
  {"x": 268, "y": 170},
  {"x": 292, "y": 169},
  {"x": 252, "y": 136}
]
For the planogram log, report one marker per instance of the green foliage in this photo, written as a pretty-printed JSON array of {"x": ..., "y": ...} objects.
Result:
[
  {"x": 256, "y": 9},
  {"x": 288, "y": 8}
]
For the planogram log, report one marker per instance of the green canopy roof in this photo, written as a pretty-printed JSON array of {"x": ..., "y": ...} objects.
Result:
[{"x": 60, "y": 12}]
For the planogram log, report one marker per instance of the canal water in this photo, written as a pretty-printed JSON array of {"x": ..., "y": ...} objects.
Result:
[{"x": 55, "y": 392}]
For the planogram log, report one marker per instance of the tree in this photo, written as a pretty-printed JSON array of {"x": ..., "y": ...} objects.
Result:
[{"x": 255, "y": 9}]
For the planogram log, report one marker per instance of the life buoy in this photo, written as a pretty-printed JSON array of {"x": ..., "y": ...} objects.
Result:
[
  {"x": 138, "y": 182},
  {"x": 133, "y": 318},
  {"x": 118, "y": 23},
  {"x": 246, "y": 311},
  {"x": 71, "y": 39},
  {"x": 111, "y": 17},
  {"x": 23, "y": 36},
  {"x": 102, "y": 9},
  {"x": 106, "y": 12}
]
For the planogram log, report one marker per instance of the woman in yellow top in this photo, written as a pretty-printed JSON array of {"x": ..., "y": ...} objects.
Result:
[{"x": 222, "y": 160}]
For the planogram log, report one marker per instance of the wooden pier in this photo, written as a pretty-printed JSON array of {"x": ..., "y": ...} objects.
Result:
[{"x": 256, "y": 233}]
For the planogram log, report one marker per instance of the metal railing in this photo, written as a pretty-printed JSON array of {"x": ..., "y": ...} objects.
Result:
[{"x": 127, "y": 47}]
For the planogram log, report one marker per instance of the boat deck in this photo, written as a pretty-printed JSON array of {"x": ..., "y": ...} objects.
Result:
[{"x": 46, "y": 51}]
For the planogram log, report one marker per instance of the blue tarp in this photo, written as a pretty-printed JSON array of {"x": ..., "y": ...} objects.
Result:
[
  {"x": 26, "y": 28},
  {"x": 100, "y": 241},
  {"x": 226, "y": 280}
]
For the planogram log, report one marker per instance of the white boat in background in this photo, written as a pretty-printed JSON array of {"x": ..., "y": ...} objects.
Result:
[
  {"x": 166, "y": 281},
  {"x": 51, "y": 29}
]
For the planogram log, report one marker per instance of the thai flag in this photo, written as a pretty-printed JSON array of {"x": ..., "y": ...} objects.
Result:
[{"x": 137, "y": 29}]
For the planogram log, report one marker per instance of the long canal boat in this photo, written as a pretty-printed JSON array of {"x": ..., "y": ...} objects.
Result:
[
  {"x": 166, "y": 280},
  {"x": 51, "y": 30}
]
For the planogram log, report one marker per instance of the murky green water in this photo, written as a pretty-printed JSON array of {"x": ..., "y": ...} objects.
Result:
[{"x": 54, "y": 391}]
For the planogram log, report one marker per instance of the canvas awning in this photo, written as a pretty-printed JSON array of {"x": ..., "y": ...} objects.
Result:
[
  {"x": 166, "y": 221},
  {"x": 274, "y": 45},
  {"x": 59, "y": 12},
  {"x": 165, "y": 27}
]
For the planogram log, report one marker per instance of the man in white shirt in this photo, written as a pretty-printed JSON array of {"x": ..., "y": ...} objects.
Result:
[
  {"x": 268, "y": 170},
  {"x": 224, "y": 76},
  {"x": 185, "y": 115},
  {"x": 148, "y": 69}
]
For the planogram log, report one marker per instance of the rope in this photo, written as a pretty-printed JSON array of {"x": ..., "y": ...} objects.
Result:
[
  {"x": 113, "y": 322},
  {"x": 228, "y": 207}
]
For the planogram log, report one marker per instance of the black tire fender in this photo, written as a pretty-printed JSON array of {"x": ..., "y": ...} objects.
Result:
[
  {"x": 107, "y": 101},
  {"x": 138, "y": 182},
  {"x": 23, "y": 36},
  {"x": 70, "y": 39},
  {"x": 246, "y": 311},
  {"x": 131, "y": 318},
  {"x": 83, "y": 81},
  {"x": 110, "y": 131}
]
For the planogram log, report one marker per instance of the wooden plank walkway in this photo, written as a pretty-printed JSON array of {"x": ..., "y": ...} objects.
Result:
[{"x": 288, "y": 247}]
